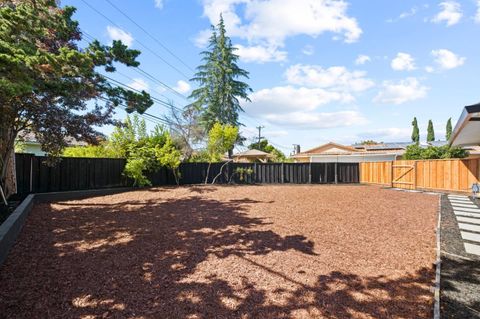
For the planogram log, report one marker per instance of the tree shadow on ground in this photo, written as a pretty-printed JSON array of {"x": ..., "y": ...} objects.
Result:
[
  {"x": 136, "y": 259},
  {"x": 460, "y": 282}
]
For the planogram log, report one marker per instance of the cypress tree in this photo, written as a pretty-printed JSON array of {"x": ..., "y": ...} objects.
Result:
[
  {"x": 430, "y": 132},
  {"x": 219, "y": 88},
  {"x": 415, "y": 131},
  {"x": 449, "y": 129}
]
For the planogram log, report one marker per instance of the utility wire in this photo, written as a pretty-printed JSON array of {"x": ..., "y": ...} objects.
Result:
[
  {"x": 155, "y": 99},
  {"x": 145, "y": 73},
  {"x": 151, "y": 36},
  {"x": 139, "y": 42}
]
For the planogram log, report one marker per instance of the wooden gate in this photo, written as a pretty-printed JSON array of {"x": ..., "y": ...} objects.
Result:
[{"x": 404, "y": 175}]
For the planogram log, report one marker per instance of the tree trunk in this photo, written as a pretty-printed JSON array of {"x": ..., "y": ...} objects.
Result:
[
  {"x": 7, "y": 169},
  {"x": 208, "y": 172}
]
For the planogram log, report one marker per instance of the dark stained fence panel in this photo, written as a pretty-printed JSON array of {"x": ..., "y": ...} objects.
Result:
[{"x": 34, "y": 175}]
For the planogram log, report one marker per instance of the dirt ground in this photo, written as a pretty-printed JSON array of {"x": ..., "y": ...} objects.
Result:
[{"x": 226, "y": 252}]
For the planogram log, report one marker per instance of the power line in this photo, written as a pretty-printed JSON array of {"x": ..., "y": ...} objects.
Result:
[
  {"x": 158, "y": 91},
  {"x": 155, "y": 99},
  {"x": 139, "y": 42},
  {"x": 151, "y": 36},
  {"x": 151, "y": 77},
  {"x": 145, "y": 73}
]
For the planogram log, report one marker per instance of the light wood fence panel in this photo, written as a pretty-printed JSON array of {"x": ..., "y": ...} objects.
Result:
[{"x": 455, "y": 175}]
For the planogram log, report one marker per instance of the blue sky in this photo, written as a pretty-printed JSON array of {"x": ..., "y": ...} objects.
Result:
[{"x": 321, "y": 70}]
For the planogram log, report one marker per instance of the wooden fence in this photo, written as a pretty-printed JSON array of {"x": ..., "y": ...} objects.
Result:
[
  {"x": 456, "y": 175},
  {"x": 34, "y": 176}
]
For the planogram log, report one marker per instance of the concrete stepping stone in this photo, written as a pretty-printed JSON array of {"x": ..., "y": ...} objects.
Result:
[
  {"x": 465, "y": 206},
  {"x": 466, "y": 209},
  {"x": 460, "y": 201},
  {"x": 470, "y": 236},
  {"x": 457, "y": 196},
  {"x": 470, "y": 220},
  {"x": 467, "y": 214},
  {"x": 470, "y": 227},
  {"x": 472, "y": 249}
]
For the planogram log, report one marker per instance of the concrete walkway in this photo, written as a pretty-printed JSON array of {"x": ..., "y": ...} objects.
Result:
[
  {"x": 460, "y": 255},
  {"x": 468, "y": 218}
]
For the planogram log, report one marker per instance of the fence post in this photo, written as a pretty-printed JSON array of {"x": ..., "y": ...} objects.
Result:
[
  {"x": 415, "y": 175},
  {"x": 255, "y": 172},
  {"x": 336, "y": 173},
  {"x": 282, "y": 174},
  {"x": 391, "y": 173},
  {"x": 310, "y": 172}
]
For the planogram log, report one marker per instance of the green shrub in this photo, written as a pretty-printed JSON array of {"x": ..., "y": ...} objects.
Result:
[
  {"x": 135, "y": 169},
  {"x": 415, "y": 152}
]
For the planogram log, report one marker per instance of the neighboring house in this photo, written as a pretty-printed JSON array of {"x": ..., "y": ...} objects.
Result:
[
  {"x": 27, "y": 143},
  {"x": 333, "y": 152},
  {"x": 252, "y": 156}
]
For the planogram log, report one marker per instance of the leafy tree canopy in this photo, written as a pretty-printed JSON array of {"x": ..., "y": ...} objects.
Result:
[
  {"x": 264, "y": 146},
  {"x": 47, "y": 79},
  {"x": 416, "y": 152},
  {"x": 221, "y": 138}
]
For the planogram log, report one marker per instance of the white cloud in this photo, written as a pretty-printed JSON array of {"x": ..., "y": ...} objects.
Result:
[
  {"x": 260, "y": 54},
  {"x": 407, "y": 14},
  {"x": 299, "y": 107},
  {"x": 159, "y": 4},
  {"x": 446, "y": 59},
  {"x": 430, "y": 69},
  {"x": 201, "y": 40},
  {"x": 118, "y": 34},
  {"x": 321, "y": 120},
  {"x": 182, "y": 87},
  {"x": 283, "y": 99},
  {"x": 451, "y": 13},
  {"x": 139, "y": 84},
  {"x": 362, "y": 59},
  {"x": 403, "y": 62},
  {"x": 308, "y": 50},
  {"x": 391, "y": 134},
  {"x": 477, "y": 14},
  {"x": 270, "y": 22},
  {"x": 335, "y": 78},
  {"x": 401, "y": 92}
]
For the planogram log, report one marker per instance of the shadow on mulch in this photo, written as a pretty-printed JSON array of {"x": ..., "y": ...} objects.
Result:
[
  {"x": 459, "y": 283},
  {"x": 132, "y": 259}
]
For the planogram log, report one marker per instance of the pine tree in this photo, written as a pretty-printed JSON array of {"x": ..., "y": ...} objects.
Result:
[
  {"x": 219, "y": 88},
  {"x": 430, "y": 132},
  {"x": 415, "y": 131},
  {"x": 449, "y": 129}
]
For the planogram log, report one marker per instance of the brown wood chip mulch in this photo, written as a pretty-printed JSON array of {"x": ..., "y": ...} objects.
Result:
[{"x": 226, "y": 252}]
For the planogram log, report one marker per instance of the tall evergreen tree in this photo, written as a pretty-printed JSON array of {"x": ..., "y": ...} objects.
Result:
[
  {"x": 415, "y": 131},
  {"x": 448, "y": 131},
  {"x": 430, "y": 132},
  {"x": 219, "y": 86}
]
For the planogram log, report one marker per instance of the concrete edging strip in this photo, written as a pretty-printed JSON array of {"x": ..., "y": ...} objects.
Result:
[
  {"x": 436, "y": 296},
  {"x": 12, "y": 226}
]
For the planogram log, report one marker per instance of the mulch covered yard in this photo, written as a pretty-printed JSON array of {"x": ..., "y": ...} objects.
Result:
[{"x": 226, "y": 252}]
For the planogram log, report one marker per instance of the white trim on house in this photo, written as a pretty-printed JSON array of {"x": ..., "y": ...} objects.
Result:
[{"x": 352, "y": 158}]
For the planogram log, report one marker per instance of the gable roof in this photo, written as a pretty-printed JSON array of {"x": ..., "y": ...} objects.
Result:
[
  {"x": 252, "y": 153},
  {"x": 334, "y": 148}
]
